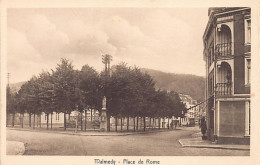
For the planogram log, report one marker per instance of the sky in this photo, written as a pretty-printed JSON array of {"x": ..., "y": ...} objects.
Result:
[{"x": 166, "y": 39}]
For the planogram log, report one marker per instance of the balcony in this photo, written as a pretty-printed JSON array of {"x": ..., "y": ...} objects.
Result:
[
  {"x": 223, "y": 50},
  {"x": 223, "y": 89}
]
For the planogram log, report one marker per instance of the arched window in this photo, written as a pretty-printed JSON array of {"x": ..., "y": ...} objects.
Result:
[
  {"x": 224, "y": 45},
  {"x": 224, "y": 79}
]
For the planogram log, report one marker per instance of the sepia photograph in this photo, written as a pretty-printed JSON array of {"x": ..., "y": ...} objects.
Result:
[
  {"x": 129, "y": 84},
  {"x": 160, "y": 82}
]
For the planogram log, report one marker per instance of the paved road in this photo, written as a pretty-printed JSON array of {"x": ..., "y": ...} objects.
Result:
[{"x": 154, "y": 144}]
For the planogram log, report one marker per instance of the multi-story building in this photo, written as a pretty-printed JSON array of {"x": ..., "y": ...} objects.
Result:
[
  {"x": 227, "y": 52},
  {"x": 191, "y": 114}
]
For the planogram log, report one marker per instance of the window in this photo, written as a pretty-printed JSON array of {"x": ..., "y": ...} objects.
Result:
[
  {"x": 57, "y": 116},
  {"x": 248, "y": 31},
  {"x": 248, "y": 72}
]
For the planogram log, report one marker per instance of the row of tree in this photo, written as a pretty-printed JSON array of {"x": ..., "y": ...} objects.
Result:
[{"x": 130, "y": 93}]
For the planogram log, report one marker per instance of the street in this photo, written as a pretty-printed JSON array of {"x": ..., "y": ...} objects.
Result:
[{"x": 153, "y": 144}]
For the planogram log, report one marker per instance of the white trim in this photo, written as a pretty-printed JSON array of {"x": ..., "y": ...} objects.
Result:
[
  {"x": 218, "y": 109},
  {"x": 242, "y": 94},
  {"x": 247, "y": 118},
  {"x": 215, "y": 123},
  {"x": 246, "y": 69},
  {"x": 232, "y": 11},
  {"x": 233, "y": 99},
  {"x": 246, "y": 31}
]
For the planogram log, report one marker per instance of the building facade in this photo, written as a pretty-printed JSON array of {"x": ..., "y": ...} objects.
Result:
[
  {"x": 192, "y": 116},
  {"x": 227, "y": 53}
]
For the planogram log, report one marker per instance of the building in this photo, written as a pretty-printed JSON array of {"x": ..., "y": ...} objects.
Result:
[
  {"x": 227, "y": 53},
  {"x": 192, "y": 115},
  {"x": 58, "y": 118}
]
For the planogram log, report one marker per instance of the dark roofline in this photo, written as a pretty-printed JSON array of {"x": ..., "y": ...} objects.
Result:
[{"x": 213, "y": 11}]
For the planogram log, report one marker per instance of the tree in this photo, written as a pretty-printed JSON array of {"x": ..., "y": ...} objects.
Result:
[
  {"x": 65, "y": 84},
  {"x": 46, "y": 95},
  {"x": 29, "y": 98},
  {"x": 90, "y": 89},
  {"x": 10, "y": 105},
  {"x": 129, "y": 92}
]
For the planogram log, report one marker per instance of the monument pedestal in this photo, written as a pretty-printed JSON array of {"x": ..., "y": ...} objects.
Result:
[{"x": 103, "y": 120}]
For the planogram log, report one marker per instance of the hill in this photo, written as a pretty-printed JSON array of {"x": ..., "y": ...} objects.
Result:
[
  {"x": 15, "y": 87},
  {"x": 181, "y": 83}
]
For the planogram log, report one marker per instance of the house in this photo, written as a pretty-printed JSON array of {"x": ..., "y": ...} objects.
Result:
[
  {"x": 227, "y": 53},
  {"x": 58, "y": 118}
]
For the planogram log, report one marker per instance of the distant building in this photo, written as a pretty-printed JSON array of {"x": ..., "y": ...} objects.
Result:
[
  {"x": 192, "y": 116},
  {"x": 58, "y": 118},
  {"x": 227, "y": 53}
]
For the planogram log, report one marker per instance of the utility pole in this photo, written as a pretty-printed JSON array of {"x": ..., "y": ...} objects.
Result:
[
  {"x": 106, "y": 59},
  {"x": 8, "y": 77},
  {"x": 8, "y": 95}
]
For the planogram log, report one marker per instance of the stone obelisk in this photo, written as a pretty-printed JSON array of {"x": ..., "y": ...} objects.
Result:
[{"x": 103, "y": 117}]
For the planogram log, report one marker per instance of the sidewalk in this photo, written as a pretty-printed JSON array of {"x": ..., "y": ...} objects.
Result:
[
  {"x": 92, "y": 132},
  {"x": 195, "y": 141},
  {"x": 14, "y": 148}
]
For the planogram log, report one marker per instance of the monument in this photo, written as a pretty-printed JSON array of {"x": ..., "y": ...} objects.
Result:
[{"x": 103, "y": 117}]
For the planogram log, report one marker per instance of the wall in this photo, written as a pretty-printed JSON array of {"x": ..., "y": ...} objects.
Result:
[
  {"x": 239, "y": 64},
  {"x": 232, "y": 118}
]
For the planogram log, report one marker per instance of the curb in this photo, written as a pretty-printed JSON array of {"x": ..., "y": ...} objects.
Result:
[
  {"x": 82, "y": 134},
  {"x": 211, "y": 146},
  {"x": 15, "y": 148}
]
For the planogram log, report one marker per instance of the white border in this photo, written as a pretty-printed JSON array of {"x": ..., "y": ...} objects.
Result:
[{"x": 255, "y": 147}]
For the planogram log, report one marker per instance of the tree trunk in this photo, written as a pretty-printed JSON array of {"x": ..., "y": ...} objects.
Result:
[
  {"x": 94, "y": 117},
  {"x": 108, "y": 122},
  {"x": 40, "y": 120},
  {"x": 81, "y": 123},
  {"x": 51, "y": 120},
  {"x": 22, "y": 120},
  {"x": 47, "y": 120},
  {"x": 127, "y": 124},
  {"x": 168, "y": 123},
  {"x": 7, "y": 119},
  {"x": 116, "y": 124},
  {"x": 33, "y": 120},
  {"x": 30, "y": 120},
  {"x": 159, "y": 122},
  {"x": 150, "y": 122},
  {"x": 137, "y": 122},
  {"x": 13, "y": 116},
  {"x": 37, "y": 123},
  {"x": 153, "y": 123},
  {"x": 64, "y": 121},
  {"x": 86, "y": 119},
  {"x": 134, "y": 123},
  {"x": 144, "y": 124},
  {"x": 121, "y": 124},
  {"x": 91, "y": 114}
]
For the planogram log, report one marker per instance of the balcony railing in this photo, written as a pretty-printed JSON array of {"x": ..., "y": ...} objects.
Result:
[
  {"x": 223, "y": 49},
  {"x": 223, "y": 89}
]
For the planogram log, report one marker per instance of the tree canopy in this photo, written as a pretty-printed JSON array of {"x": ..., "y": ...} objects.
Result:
[{"x": 129, "y": 91}]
